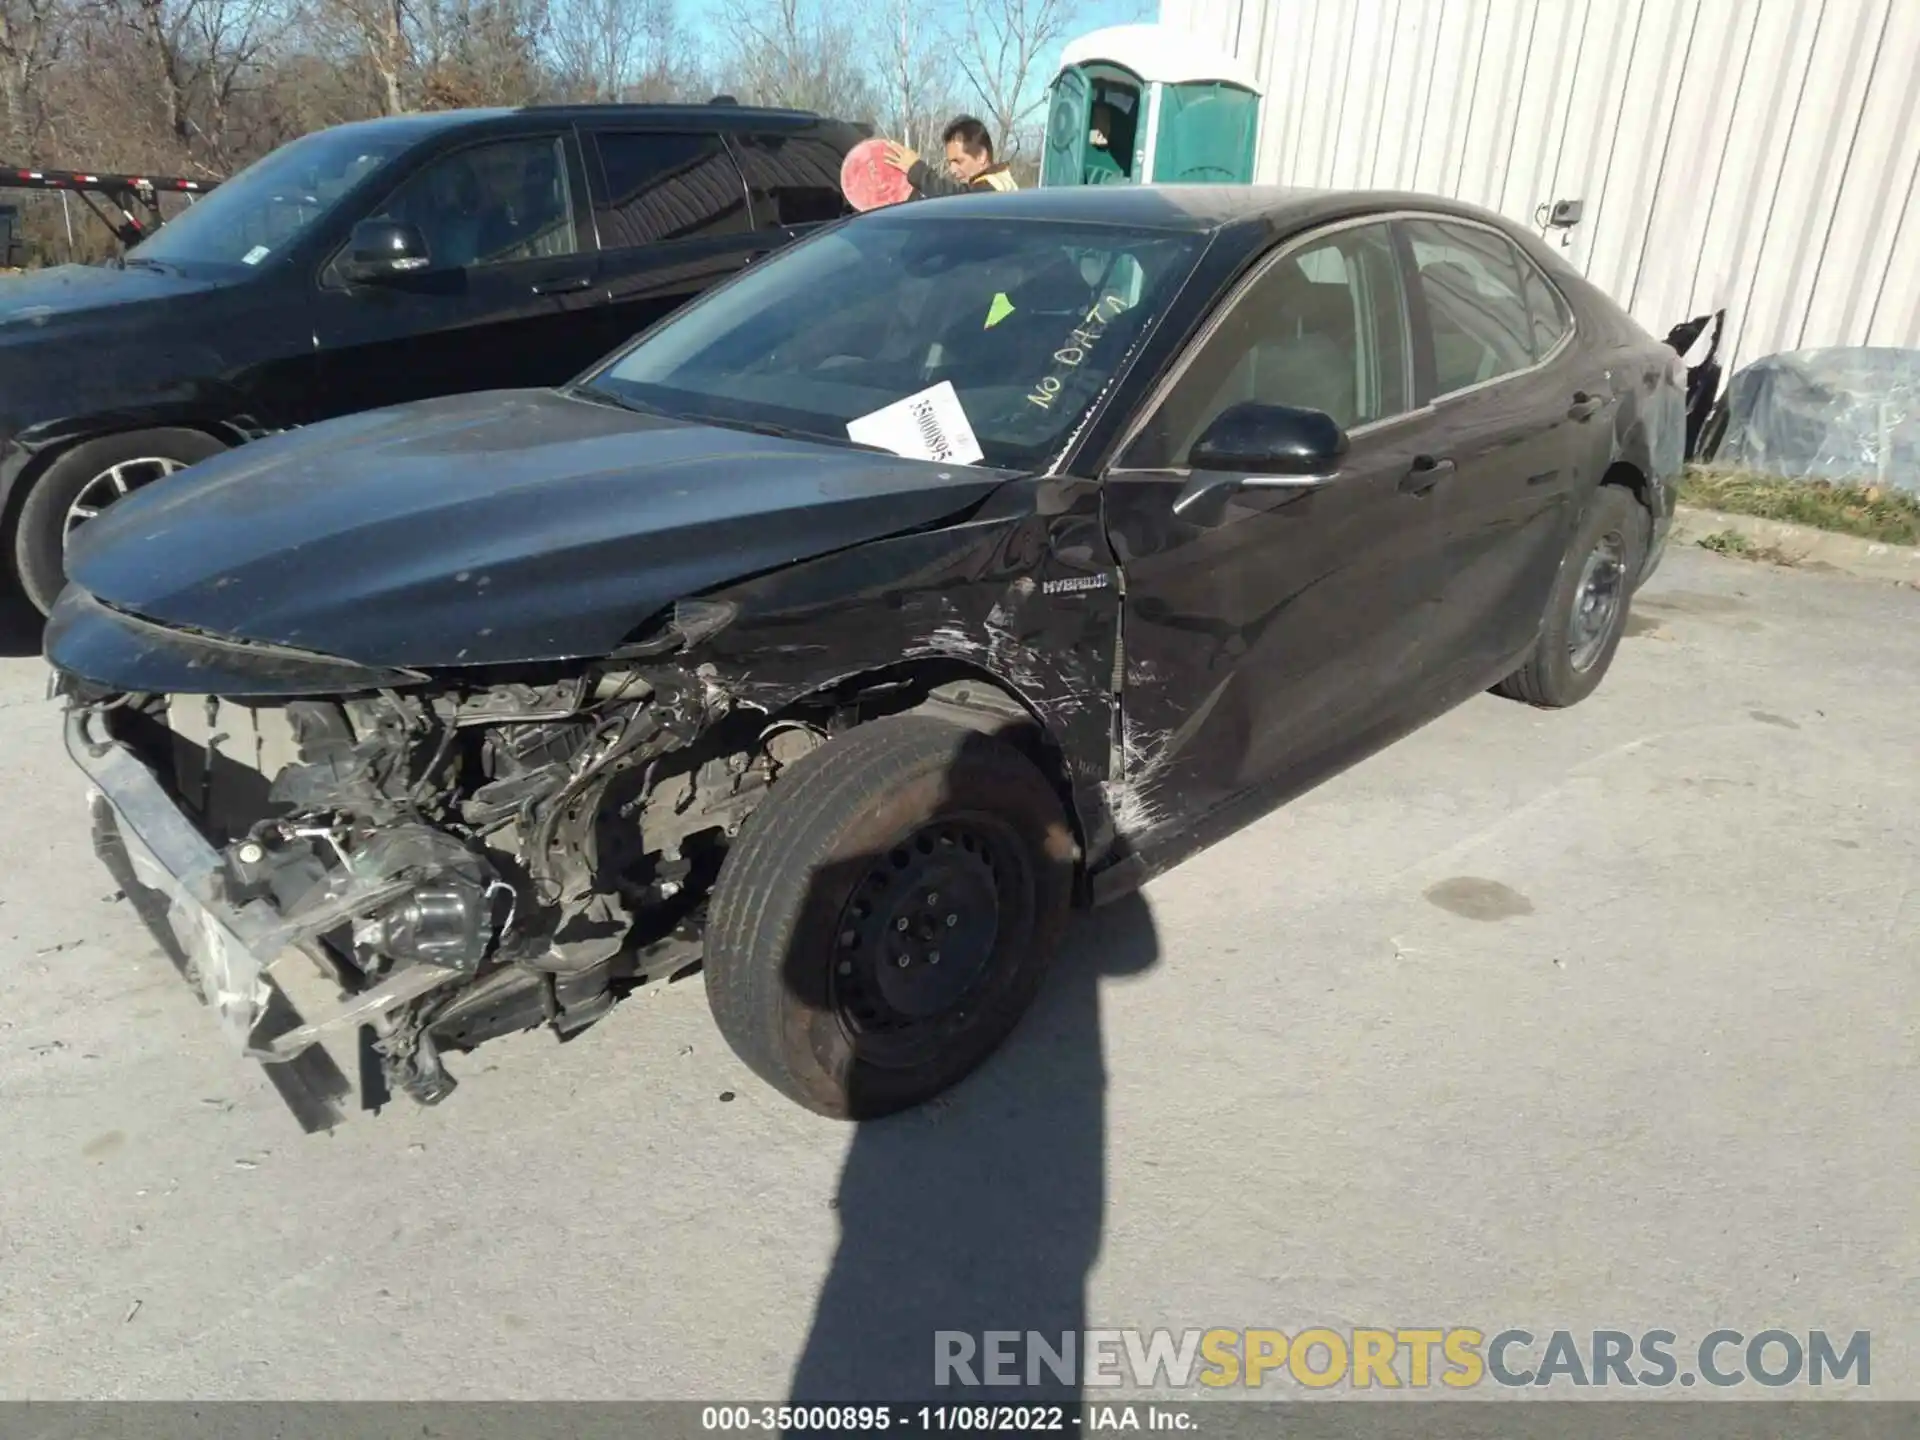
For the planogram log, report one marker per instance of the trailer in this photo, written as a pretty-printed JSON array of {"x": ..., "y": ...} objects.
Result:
[{"x": 123, "y": 193}]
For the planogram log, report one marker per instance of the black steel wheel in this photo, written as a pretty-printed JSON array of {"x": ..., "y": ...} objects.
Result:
[
  {"x": 1587, "y": 611},
  {"x": 887, "y": 915}
]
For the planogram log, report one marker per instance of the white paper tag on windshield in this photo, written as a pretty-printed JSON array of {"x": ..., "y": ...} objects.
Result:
[
  {"x": 254, "y": 256},
  {"x": 929, "y": 426}
]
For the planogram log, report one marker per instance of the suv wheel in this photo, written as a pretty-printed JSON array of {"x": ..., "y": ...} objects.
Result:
[
  {"x": 887, "y": 915},
  {"x": 81, "y": 483}
]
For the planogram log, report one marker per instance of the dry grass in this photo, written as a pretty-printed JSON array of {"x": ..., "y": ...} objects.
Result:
[
  {"x": 1869, "y": 511},
  {"x": 1732, "y": 542}
]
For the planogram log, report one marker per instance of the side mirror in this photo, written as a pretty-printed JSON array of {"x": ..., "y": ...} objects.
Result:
[
  {"x": 1276, "y": 440},
  {"x": 1256, "y": 446},
  {"x": 381, "y": 250}
]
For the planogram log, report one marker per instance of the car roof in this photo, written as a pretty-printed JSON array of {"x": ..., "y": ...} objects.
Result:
[
  {"x": 1206, "y": 208},
  {"x": 426, "y": 122}
]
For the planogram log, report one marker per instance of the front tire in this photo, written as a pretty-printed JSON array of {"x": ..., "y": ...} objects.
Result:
[
  {"x": 887, "y": 915},
  {"x": 1587, "y": 611},
  {"x": 82, "y": 482}
]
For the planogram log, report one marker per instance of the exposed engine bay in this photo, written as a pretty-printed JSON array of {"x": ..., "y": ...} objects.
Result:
[{"x": 467, "y": 862}]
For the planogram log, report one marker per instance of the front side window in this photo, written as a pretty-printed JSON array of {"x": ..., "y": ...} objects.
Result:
[
  {"x": 1470, "y": 278},
  {"x": 663, "y": 186},
  {"x": 1029, "y": 321},
  {"x": 490, "y": 204},
  {"x": 1324, "y": 327}
]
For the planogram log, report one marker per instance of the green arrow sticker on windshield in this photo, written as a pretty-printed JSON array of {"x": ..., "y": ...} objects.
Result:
[{"x": 999, "y": 310}]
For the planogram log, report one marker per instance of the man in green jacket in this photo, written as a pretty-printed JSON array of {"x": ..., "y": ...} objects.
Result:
[{"x": 970, "y": 164}]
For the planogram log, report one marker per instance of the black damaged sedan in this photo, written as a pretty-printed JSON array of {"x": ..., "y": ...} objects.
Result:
[{"x": 961, "y": 565}]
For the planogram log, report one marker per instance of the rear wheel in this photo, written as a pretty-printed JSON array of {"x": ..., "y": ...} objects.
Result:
[
  {"x": 887, "y": 915},
  {"x": 1587, "y": 611},
  {"x": 81, "y": 483}
]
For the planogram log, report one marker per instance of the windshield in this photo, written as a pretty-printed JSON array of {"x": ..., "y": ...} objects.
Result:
[
  {"x": 1025, "y": 320},
  {"x": 271, "y": 203}
]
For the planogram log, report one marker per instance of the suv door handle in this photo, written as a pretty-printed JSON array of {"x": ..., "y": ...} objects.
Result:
[
  {"x": 1585, "y": 406},
  {"x": 562, "y": 285},
  {"x": 1425, "y": 474}
]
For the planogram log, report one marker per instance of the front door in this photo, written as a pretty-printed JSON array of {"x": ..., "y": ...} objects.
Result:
[
  {"x": 1259, "y": 637},
  {"x": 504, "y": 300}
]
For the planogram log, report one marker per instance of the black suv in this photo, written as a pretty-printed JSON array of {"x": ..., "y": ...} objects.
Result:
[{"x": 381, "y": 262}]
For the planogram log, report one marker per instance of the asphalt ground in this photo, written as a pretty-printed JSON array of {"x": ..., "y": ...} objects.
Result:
[{"x": 1603, "y": 1018}]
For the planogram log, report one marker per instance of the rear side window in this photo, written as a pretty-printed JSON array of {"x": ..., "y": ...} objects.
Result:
[
  {"x": 1546, "y": 311},
  {"x": 794, "y": 179},
  {"x": 662, "y": 186},
  {"x": 1476, "y": 305}
]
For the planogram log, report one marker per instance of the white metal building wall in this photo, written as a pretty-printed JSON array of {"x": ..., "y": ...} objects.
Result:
[{"x": 1760, "y": 155}]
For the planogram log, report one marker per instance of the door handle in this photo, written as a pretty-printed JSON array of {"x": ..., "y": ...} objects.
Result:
[
  {"x": 1426, "y": 473},
  {"x": 562, "y": 285},
  {"x": 1585, "y": 406}
]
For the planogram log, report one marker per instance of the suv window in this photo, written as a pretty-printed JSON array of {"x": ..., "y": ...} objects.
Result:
[
  {"x": 490, "y": 204},
  {"x": 664, "y": 186},
  {"x": 794, "y": 179},
  {"x": 1475, "y": 308},
  {"x": 1323, "y": 328}
]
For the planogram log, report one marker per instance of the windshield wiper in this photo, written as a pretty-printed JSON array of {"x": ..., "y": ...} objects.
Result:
[
  {"x": 786, "y": 432},
  {"x": 594, "y": 395}
]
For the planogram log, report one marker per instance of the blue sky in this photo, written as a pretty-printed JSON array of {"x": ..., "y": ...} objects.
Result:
[{"x": 1089, "y": 15}]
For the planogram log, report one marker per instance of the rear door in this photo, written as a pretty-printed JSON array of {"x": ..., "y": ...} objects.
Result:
[
  {"x": 1524, "y": 430},
  {"x": 1258, "y": 640},
  {"x": 673, "y": 219},
  {"x": 510, "y": 278}
]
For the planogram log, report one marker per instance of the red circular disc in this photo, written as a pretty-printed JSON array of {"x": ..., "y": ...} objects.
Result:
[{"x": 868, "y": 181}]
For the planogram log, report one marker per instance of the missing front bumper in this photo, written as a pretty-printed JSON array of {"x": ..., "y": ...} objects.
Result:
[{"x": 238, "y": 957}]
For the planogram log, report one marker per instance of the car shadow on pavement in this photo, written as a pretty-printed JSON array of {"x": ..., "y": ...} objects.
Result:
[
  {"x": 20, "y": 628},
  {"x": 983, "y": 1210}
]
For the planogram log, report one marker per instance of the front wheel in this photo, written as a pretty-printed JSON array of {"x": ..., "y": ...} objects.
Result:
[
  {"x": 81, "y": 483},
  {"x": 887, "y": 915},
  {"x": 1587, "y": 611}
]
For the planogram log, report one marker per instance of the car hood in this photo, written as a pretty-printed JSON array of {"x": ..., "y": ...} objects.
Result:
[
  {"x": 483, "y": 529},
  {"x": 31, "y": 302}
]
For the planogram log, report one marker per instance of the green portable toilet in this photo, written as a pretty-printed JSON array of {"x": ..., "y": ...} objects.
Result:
[{"x": 1146, "y": 104}]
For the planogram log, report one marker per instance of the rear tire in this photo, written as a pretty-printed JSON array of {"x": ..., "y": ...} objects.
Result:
[
  {"x": 90, "y": 476},
  {"x": 1587, "y": 611},
  {"x": 875, "y": 853}
]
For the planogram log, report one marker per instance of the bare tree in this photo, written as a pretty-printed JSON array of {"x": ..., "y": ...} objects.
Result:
[
  {"x": 795, "y": 53},
  {"x": 915, "y": 70},
  {"x": 30, "y": 33},
  {"x": 481, "y": 52},
  {"x": 999, "y": 55},
  {"x": 377, "y": 33},
  {"x": 608, "y": 49},
  {"x": 202, "y": 57}
]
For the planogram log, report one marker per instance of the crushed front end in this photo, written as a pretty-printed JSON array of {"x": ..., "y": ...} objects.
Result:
[{"x": 413, "y": 862}]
